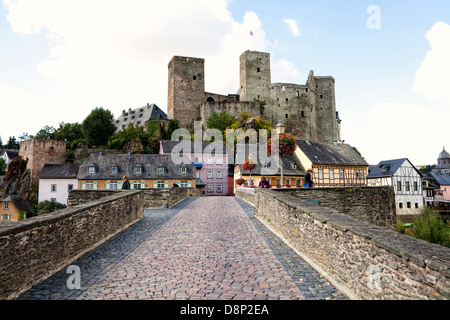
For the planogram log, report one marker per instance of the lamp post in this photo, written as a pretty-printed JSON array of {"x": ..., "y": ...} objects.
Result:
[{"x": 280, "y": 128}]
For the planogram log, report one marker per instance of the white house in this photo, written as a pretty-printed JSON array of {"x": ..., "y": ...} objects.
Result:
[
  {"x": 55, "y": 182},
  {"x": 406, "y": 180},
  {"x": 9, "y": 155}
]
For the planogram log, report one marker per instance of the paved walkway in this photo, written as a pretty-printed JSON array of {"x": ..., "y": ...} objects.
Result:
[{"x": 203, "y": 248}]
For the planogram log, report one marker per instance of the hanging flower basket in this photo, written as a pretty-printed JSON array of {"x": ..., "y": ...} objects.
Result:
[
  {"x": 249, "y": 165},
  {"x": 287, "y": 144},
  {"x": 240, "y": 182}
]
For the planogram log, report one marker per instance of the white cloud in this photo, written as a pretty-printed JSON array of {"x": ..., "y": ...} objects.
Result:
[
  {"x": 115, "y": 53},
  {"x": 284, "y": 71},
  {"x": 432, "y": 80},
  {"x": 293, "y": 26}
]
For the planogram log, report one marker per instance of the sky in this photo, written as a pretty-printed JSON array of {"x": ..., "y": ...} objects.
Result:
[{"x": 60, "y": 59}]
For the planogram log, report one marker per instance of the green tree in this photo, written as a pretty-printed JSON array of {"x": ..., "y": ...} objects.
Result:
[
  {"x": 3, "y": 167},
  {"x": 221, "y": 121},
  {"x": 49, "y": 206},
  {"x": 98, "y": 127},
  {"x": 1, "y": 143},
  {"x": 431, "y": 227},
  {"x": 71, "y": 133},
  {"x": 12, "y": 143}
]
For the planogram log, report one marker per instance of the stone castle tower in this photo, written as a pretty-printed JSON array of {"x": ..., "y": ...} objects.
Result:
[{"x": 308, "y": 111}]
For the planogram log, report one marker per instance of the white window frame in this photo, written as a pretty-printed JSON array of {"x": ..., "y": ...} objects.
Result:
[
  {"x": 219, "y": 188},
  {"x": 183, "y": 170},
  {"x": 209, "y": 174},
  {"x": 6, "y": 206},
  {"x": 91, "y": 169},
  {"x": 183, "y": 184},
  {"x": 160, "y": 170},
  {"x": 320, "y": 174},
  {"x": 219, "y": 160},
  {"x": 210, "y": 188},
  {"x": 219, "y": 175},
  {"x": 331, "y": 174},
  {"x": 53, "y": 188},
  {"x": 160, "y": 185}
]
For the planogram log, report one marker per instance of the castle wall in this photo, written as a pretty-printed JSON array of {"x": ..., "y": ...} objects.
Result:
[
  {"x": 38, "y": 152},
  {"x": 186, "y": 89},
  {"x": 326, "y": 109},
  {"x": 254, "y": 76},
  {"x": 235, "y": 108}
]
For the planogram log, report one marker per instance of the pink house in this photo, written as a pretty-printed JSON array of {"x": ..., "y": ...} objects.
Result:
[{"x": 211, "y": 164}]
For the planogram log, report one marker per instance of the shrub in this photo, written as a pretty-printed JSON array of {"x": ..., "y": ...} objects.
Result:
[
  {"x": 431, "y": 227},
  {"x": 49, "y": 206}
]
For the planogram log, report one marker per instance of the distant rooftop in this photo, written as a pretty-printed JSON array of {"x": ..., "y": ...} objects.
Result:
[{"x": 139, "y": 116}]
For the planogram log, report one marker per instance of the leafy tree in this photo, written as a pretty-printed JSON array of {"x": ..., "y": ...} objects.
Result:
[
  {"x": 98, "y": 127},
  {"x": 49, "y": 206},
  {"x": 12, "y": 143},
  {"x": 431, "y": 227},
  {"x": 1, "y": 143},
  {"x": 221, "y": 121},
  {"x": 3, "y": 167},
  {"x": 71, "y": 133}
]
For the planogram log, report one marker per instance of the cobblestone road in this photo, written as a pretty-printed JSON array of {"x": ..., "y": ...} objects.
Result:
[{"x": 203, "y": 248}]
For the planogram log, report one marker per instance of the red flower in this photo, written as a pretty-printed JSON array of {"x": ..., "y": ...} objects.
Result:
[
  {"x": 249, "y": 165},
  {"x": 286, "y": 144}
]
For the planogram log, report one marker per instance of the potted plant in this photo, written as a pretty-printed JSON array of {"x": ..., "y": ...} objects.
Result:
[{"x": 249, "y": 165}]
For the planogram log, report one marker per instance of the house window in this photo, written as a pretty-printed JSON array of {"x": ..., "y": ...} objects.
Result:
[
  {"x": 360, "y": 175},
  {"x": 90, "y": 185},
  {"x": 219, "y": 188},
  {"x": 197, "y": 174},
  {"x": 210, "y": 188},
  {"x": 210, "y": 161},
  {"x": 407, "y": 186},
  {"x": 138, "y": 169},
  {"x": 184, "y": 184},
  {"x": 303, "y": 114},
  {"x": 320, "y": 174},
  {"x": 70, "y": 187},
  {"x": 299, "y": 182},
  {"x": 288, "y": 182},
  {"x": 136, "y": 184},
  {"x": 210, "y": 174},
  {"x": 219, "y": 174},
  {"x": 91, "y": 169},
  {"x": 408, "y": 204},
  {"x": 341, "y": 174},
  {"x": 53, "y": 187},
  {"x": 294, "y": 166},
  {"x": 161, "y": 170},
  {"x": 399, "y": 186},
  {"x": 219, "y": 161},
  {"x": 417, "y": 205},
  {"x": 400, "y": 205},
  {"x": 113, "y": 169},
  {"x": 113, "y": 185},
  {"x": 331, "y": 175},
  {"x": 415, "y": 186},
  {"x": 5, "y": 217},
  {"x": 183, "y": 170},
  {"x": 6, "y": 205},
  {"x": 194, "y": 78},
  {"x": 53, "y": 199},
  {"x": 258, "y": 69},
  {"x": 160, "y": 184}
]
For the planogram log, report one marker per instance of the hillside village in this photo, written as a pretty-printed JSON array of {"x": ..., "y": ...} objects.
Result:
[{"x": 44, "y": 169}]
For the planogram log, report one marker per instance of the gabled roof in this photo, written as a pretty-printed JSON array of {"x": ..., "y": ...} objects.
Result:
[
  {"x": 19, "y": 202},
  {"x": 289, "y": 163},
  {"x": 441, "y": 178},
  {"x": 387, "y": 168},
  {"x": 59, "y": 171},
  {"x": 210, "y": 147},
  {"x": 331, "y": 153},
  {"x": 139, "y": 116},
  {"x": 126, "y": 164},
  {"x": 10, "y": 153}
]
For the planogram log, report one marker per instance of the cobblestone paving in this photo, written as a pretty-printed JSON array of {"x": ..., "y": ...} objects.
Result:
[{"x": 203, "y": 248}]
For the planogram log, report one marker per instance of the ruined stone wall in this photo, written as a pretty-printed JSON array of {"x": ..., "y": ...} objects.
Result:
[
  {"x": 39, "y": 152},
  {"x": 364, "y": 261},
  {"x": 234, "y": 108}
]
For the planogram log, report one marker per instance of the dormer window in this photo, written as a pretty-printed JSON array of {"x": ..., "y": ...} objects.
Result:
[
  {"x": 114, "y": 169},
  {"x": 160, "y": 170},
  {"x": 294, "y": 166},
  {"x": 138, "y": 169},
  {"x": 91, "y": 169},
  {"x": 183, "y": 170}
]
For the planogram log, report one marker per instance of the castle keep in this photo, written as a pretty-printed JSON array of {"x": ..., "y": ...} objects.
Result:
[{"x": 308, "y": 111}]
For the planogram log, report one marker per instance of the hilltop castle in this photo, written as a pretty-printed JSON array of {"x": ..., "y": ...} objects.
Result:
[{"x": 308, "y": 111}]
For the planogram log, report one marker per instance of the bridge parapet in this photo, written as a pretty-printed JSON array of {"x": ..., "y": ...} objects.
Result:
[{"x": 364, "y": 260}]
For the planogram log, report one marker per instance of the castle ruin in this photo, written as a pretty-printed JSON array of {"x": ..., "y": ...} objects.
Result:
[{"x": 308, "y": 111}]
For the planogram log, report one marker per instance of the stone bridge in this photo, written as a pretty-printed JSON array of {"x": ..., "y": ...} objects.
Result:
[{"x": 259, "y": 245}]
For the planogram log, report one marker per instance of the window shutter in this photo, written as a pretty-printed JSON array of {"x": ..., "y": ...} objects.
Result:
[
  {"x": 179, "y": 183},
  {"x": 95, "y": 185},
  {"x": 189, "y": 184},
  {"x": 107, "y": 185},
  {"x": 166, "y": 184},
  {"x": 83, "y": 185},
  {"x": 131, "y": 185},
  {"x": 155, "y": 184},
  {"x": 142, "y": 184}
]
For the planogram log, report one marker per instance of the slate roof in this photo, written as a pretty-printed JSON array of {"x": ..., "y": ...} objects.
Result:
[
  {"x": 19, "y": 202},
  {"x": 11, "y": 153},
  {"x": 211, "y": 147},
  {"x": 441, "y": 178},
  {"x": 59, "y": 171},
  {"x": 139, "y": 116},
  {"x": 126, "y": 164},
  {"x": 330, "y": 153},
  {"x": 288, "y": 164},
  {"x": 390, "y": 167}
]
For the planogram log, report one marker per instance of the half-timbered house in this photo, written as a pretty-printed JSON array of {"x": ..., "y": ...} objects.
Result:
[
  {"x": 406, "y": 181},
  {"x": 333, "y": 164}
]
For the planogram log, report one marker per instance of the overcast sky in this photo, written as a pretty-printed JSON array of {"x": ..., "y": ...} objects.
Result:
[{"x": 59, "y": 59}]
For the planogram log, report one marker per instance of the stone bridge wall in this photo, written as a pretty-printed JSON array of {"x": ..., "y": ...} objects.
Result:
[
  {"x": 31, "y": 250},
  {"x": 365, "y": 261}
]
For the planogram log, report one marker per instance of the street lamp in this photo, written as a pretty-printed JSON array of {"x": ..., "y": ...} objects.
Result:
[{"x": 280, "y": 128}]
